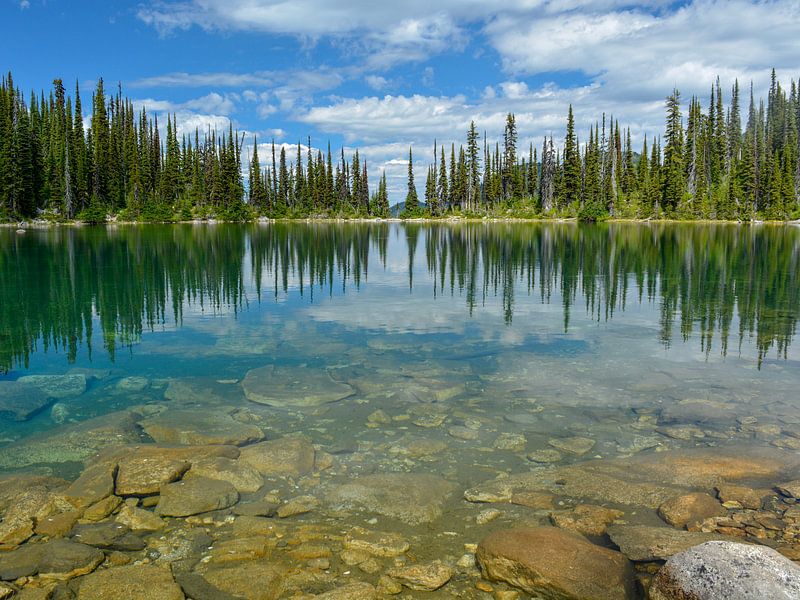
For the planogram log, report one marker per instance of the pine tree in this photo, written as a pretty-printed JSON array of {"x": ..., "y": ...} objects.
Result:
[
  {"x": 674, "y": 184},
  {"x": 412, "y": 201}
]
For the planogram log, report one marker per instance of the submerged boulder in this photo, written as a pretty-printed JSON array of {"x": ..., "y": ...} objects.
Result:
[
  {"x": 293, "y": 387},
  {"x": 413, "y": 498},
  {"x": 289, "y": 456},
  {"x": 20, "y": 401},
  {"x": 727, "y": 570},
  {"x": 57, "y": 386},
  {"x": 195, "y": 496},
  {"x": 556, "y": 564},
  {"x": 200, "y": 427},
  {"x": 134, "y": 582}
]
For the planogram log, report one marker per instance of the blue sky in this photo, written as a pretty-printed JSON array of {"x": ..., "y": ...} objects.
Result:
[{"x": 385, "y": 75}]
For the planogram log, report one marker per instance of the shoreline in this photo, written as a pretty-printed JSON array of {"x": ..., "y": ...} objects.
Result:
[{"x": 43, "y": 224}]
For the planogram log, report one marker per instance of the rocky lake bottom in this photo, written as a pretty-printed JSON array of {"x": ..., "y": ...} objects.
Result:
[{"x": 390, "y": 443}]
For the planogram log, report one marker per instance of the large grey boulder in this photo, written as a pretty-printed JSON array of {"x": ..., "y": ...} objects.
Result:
[{"x": 727, "y": 570}]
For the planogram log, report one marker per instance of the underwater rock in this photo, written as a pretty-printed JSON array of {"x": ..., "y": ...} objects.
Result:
[
  {"x": 293, "y": 387},
  {"x": 704, "y": 413},
  {"x": 20, "y": 401},
  {"x": 572, "y": 445},
  {"x": 59, "y": 413},
  {"x": 424, "y": 577},
  {"x": 745, "y": 496},
  {"x": 535, "y": 560},
  {"x": 646, "y": 543},
  {"x": 72, "y": 443},
  {"x": 358, "y": 590},
  {"x": 515, "y": 442},
  {"x": 545, "y": 456},
  {"x": 194, "y": 392},
  {"x": 133, "y": 582},
  {"x": 195, "y": 496},
  {"x": 727, "y": 570},
  {"x": 376, "y": 543},
  {"x": 138, "y": 519},
  {"x": 127, "y": 385},
  {"x": 244, "y": 477},
  {"x": 647, "y": 479},
  {"x": 57, "y": 386},
  {"x": 288, "y": 456},
  {"x": 687, "y": 509},
  {"x": 56, "y": 559},
  {"x": 413, "y": 498},
  {"x": 141, "y": 475},
  {"x": 108, "y": 536},
  {"x": 586, "y": 519},
  {"x": 200, "y": 427},
  {"x": 254, "y": 580},
  {"x": 299, "y": 505}
]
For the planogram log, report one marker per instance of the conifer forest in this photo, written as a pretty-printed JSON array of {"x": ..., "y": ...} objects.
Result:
[{"x": 730, "y": 156}]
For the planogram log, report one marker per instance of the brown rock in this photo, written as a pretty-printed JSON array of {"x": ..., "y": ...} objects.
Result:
[
  {"x": 288, "y": 456},
  {"x": 413, "y": 498},
  {"x": 254, "y": 580},
  {"x": 200, "y": 427},
  {"x": 586, "y": 519},
  {"x": 141, "y": 475},
  {"x": 241, "y": 475},
  {"x": 58, "y": 525},
  {"x": 554, "y": 563},
  {"x": 100, "y": 510},
  {"x": 134, "y": 582},
  {"x": 747, "y": 497},
  {"x": 359, "y": 590},
  {"x": 95, "y": 483},
  {"x": 688, "y": 509},
  {"x": 424, "y": 577},
  {"x": 138, "y": 519},
  {"x": 195, "y": 496},
  {"x": 375, "y": 543},
  {"x": 645, "y": 543},
  {"x": 288, "y": 387}
]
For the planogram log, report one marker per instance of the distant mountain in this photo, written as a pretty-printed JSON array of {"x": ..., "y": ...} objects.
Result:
[{"x": 400, "y": 207}]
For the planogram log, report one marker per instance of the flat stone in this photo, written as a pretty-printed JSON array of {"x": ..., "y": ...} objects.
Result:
[
  {"x": 254, "y": 580},
  {"x": 424, "y": 577},
  {"x": 57, "y": 386},
  {"x": 553, "y": 563},
  {"x": 586, "y": 519},
  {"x": 63, "y": 559},
  {"x": 72, "y": 443},
  {"x": 688, "y": 509},
  {"x": 102, "y": 509},
  {"x": 195, "y": 496},
  {"x": 790, "y": 489},
  {"x": 108, "y": 536},
  {"x": 701, "y": 412},
  {"x": 376, "y": 543},
  {"x": 727, "y": 570},
  {"x": 288, "y": 387},
  {"x": 298, "y": 506},
  {"x": 144, "y": 475},
  {"x": 646, "y": 543},
  {"x": 545, "y": 456},
  {"x": 748, "y": 497},
  {"x": 413, "y": 498},
  {"x": 179, "y": 547},
  {"x": 200, "y": 427},
  {"x": 94, "y": 484},
  {"x": 20, "y": 401},
  {"x": 573, "y": 445},
  {"x": 132, "y": 582},
  {"x": 196, "y": 587},
  {"x": 138, "y": 519},
  {"x": 358, "y": 590},
  {"x": 515, "y": 442},
  {"x": 27, "y": 507},
  {"x": 244, "y": 477},
  {"x": 132, "y": 384},
  {"x": 289, "y": 456},
  {"x": 57, "y": 525},
  {"x": 56, "y": 559}
]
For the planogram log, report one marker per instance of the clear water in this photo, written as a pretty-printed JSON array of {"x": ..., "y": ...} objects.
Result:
[{"x": 541, "y": 329}]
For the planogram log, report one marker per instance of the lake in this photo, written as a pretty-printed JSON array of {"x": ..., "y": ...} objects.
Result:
[{"x": 432, "y": 382}]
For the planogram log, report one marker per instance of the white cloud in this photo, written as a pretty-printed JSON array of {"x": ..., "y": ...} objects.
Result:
[{"x": 376, "y": 82}]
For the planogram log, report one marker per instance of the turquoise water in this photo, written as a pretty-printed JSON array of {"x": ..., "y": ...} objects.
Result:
[{"x": 462, "y": 350}]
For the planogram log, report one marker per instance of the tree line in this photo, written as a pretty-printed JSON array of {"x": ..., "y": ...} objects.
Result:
[{"x": 707, "y": 165}]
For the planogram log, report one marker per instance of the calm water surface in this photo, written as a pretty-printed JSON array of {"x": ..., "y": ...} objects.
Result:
[{"x": 528, "y": 331}]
